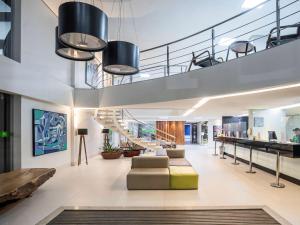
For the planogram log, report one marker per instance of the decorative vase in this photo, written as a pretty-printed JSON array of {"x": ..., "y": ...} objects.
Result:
[
  {"x": 131, "y": 153},
  {"x": 111, "y": 155}
]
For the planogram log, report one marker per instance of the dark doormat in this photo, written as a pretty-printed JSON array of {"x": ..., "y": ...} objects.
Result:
[{"x": 254, "y": 216}]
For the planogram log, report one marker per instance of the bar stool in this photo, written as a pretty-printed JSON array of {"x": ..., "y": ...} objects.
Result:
[
  {"x": 222, "y": 151},
  {"x": 234, "y": 156},
  {"x": 250, "y": 163},
  {"x": 276, "y": 184},
  {"x": 215, "y": 153}
]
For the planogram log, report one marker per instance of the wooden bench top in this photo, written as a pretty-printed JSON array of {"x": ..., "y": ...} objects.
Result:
[{"x": 21, "y": 183}]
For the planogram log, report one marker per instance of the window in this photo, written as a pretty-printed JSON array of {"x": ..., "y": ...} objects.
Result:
[{"x": 10, "y": 32}]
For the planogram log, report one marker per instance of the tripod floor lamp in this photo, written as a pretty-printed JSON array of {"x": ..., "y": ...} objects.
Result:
[
  {"x": 105, "y": 132},
  {"x": 82, "y": 133}
]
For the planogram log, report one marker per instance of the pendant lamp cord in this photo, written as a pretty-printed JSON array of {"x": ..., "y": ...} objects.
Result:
[
  {"x": 133, "y": 22},
  {"x": 112, "y": 8},
  {"x": 120, "y": 20}
]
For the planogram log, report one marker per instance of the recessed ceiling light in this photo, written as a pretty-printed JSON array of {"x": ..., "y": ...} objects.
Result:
[
  {"x": 242, "y": 115},
  {"x": 206, "y": 99},
  {"x": 200, "y": 103},
  {"x": 188, "y": 112},
  {"x": 248, "y": 4},
  {"x": 225, "y": 41}
]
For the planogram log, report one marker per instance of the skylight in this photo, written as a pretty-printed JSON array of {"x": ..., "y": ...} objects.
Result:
[{"x": 248, "y": 4}]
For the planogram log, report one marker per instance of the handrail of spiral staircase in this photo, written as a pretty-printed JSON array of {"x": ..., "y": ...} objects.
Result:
[{"x": 173, "y": 138}]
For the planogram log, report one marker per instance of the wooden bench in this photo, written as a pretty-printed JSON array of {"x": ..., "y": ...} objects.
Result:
[{"x": 21, "y": 183}]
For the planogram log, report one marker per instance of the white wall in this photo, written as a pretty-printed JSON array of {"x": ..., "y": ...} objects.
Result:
[
  {"x": 49, "y": 160},
  {"x": 41, "y": 73},
  {"x": 94, "y": 139},
  {"x": 211, "y": 123},
  {"x": 274, "y": 120}
]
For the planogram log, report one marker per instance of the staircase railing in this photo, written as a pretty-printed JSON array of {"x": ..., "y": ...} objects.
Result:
[
  {"x": 159, "y": 134},
  {"x": 112, "y": 119},
  {"x": 253, "y": 25}
]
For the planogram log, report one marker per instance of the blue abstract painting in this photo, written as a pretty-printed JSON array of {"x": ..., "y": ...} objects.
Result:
[{"x": 49, "y": 132}]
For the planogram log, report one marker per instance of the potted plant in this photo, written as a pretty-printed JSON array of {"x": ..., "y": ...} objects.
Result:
[
  {"x": 132, "y": 150},
  {"x": 109, "y": 152}
]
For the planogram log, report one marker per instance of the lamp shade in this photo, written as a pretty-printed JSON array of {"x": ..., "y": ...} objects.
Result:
[
  {"x": 82, "y": 131},
  {"x": 70, "y": 53},
  {"x": 121, "y": 58},
  {"x": 105, "y": 131},
  {"x": 82, "y": 26}
]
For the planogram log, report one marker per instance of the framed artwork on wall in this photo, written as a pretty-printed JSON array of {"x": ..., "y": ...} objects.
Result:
[
  {"x": 258, "y": 121},
  {"x": 49, "y": 132}
]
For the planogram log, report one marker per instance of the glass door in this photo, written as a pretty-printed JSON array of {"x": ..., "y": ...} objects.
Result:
[{"x": 5, "y": 151}]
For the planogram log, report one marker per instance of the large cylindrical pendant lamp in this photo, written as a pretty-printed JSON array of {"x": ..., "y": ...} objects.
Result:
[
  {"x": 121, "y": 58},
  {"x": 82, "y": 26},
  {"x": 70, "y": 53}
]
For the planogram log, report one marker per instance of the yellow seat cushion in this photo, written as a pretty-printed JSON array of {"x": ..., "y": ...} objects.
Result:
[{"x": 183, "y": 178}]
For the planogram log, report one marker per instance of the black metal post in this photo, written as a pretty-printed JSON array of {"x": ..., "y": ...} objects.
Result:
[
  {"x": 278, "y": 20},
  {"x": 235, "y": 162},
  {"x": 277, "y": 184},
  {"x": 213, "y": 43},
  {"x": 168, "y": 60},
  {"x": 215, "y": 154},
  {"x": 250, "y": 162},
  {"x": 222, "y": 151}
]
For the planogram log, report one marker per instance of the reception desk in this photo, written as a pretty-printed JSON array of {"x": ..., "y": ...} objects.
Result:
[{"x": 290, "y": 150}]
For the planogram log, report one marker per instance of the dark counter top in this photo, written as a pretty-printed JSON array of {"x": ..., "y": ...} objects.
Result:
[{"x": 287, "y": 149}]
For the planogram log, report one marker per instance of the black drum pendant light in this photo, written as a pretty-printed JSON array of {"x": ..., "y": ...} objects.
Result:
[
  {"x": 121, "y": 58},
  {"x": 82, "y": 26},
  {"x": 70, "y": 53}
]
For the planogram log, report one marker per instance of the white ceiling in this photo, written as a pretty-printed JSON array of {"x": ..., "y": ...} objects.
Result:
[
  {"x": 161, "y": 21},
  {"x": 150, "y": 23},
  {"x": 216, "y": 108}
]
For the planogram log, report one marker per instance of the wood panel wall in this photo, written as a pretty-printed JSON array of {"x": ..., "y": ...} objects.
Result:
[{"x": 175, "y": 128}]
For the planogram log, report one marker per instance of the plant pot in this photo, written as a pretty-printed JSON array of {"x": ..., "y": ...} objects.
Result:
[
  {"x": 111, "y": 155},
  {"x": 131, "y": 153}
]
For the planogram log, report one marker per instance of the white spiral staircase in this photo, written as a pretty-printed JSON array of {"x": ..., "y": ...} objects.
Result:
[{"x": 112, "y": 119}]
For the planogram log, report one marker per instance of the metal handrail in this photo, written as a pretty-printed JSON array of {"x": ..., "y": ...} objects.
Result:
[
  {"x": 172, "y": 58},
  {"x": 206, "y": 29}
]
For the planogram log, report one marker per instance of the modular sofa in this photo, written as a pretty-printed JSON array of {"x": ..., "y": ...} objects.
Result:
[
  {"x": 175, "y": 152},
  {"x": 161, "y": 173},
  {"x": 149, "y": 172}
]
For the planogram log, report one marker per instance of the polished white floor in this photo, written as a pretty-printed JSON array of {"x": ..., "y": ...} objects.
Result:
[{"x": 102, "y": 183}]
